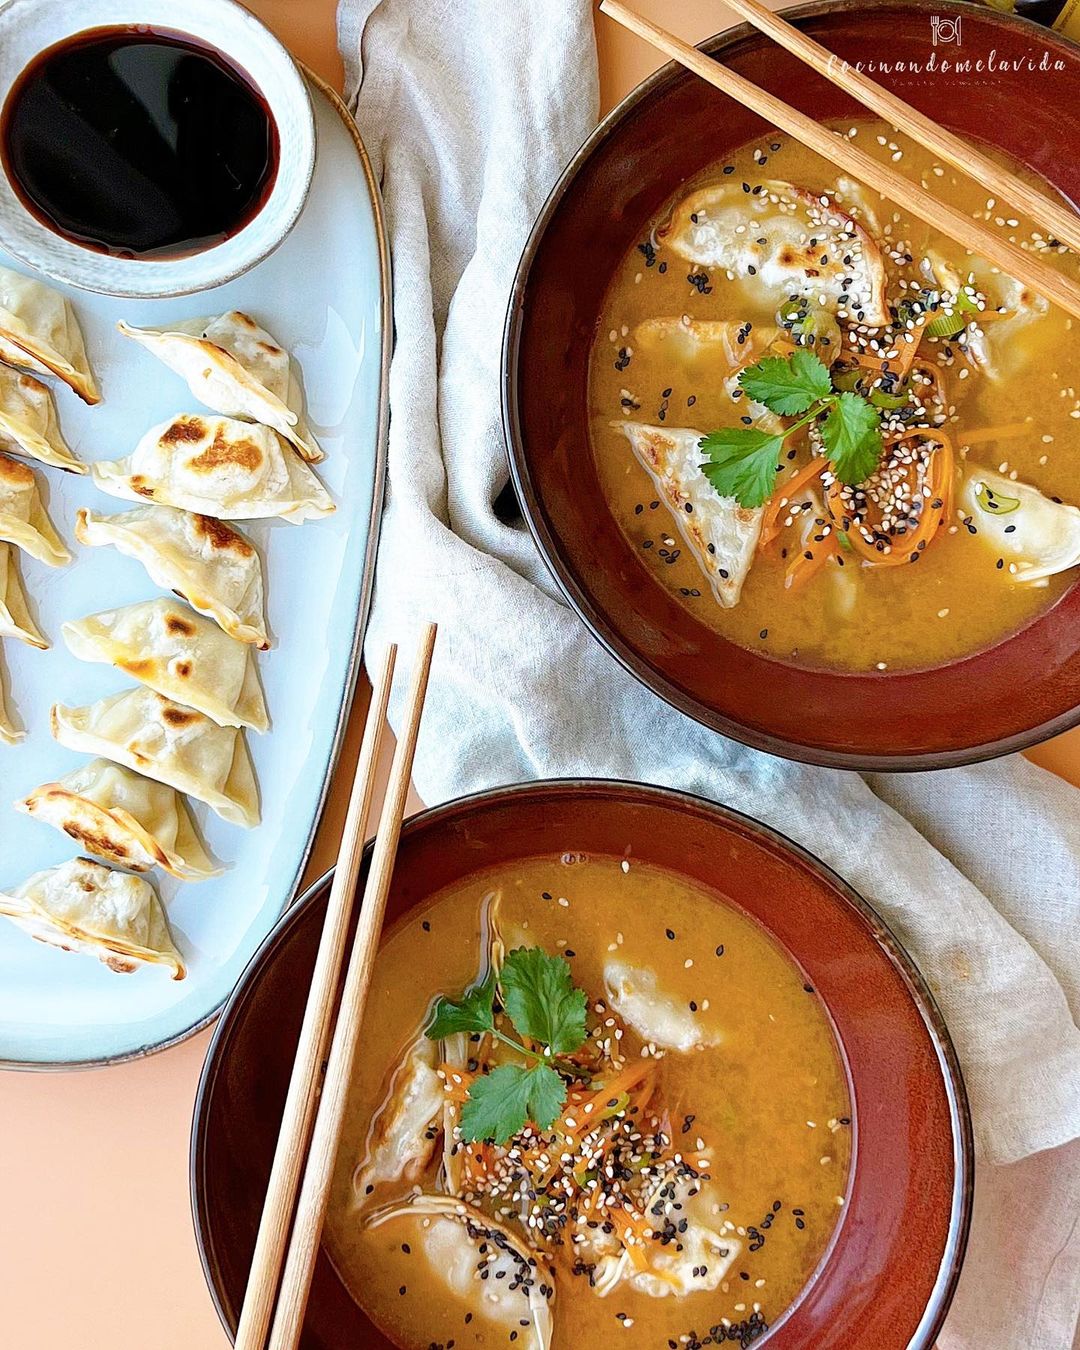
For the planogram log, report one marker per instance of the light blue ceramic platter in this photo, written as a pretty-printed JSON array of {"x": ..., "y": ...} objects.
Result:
[{"x": 325, "y": 296}]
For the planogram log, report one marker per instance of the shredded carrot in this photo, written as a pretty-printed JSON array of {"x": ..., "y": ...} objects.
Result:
[
  {"x": 781, "y": 498},
  {"x": 456, "y": 1081},
  {"x": 808, "y": 562},
  {"x": 632, "y": 1231},
  {"x": 897, "y": 367},
  {"x": 936, "y": 507}
]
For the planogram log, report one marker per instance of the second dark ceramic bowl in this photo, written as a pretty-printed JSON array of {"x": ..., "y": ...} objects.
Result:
[
  {"x": 673, "y": 126},
  {"x": 888, "y": 1276}
]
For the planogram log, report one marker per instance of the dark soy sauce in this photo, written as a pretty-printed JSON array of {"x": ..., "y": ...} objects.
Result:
[{"x": 139, "y": 144}]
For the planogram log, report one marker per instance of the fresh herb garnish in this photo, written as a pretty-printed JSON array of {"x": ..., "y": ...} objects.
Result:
[
  {"x": 475, "y": 1013},
  {"x": 540, "y": 999},
  {"x": 742, "y": 462},
  {"x": 537, "y": 994},
  {"x": 852, "y": 436},
  {"x": 787, "y": 385},
  {"x": 500, "y": 1102}
]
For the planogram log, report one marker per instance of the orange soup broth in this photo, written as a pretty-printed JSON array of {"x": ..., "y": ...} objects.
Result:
[
  {"x": 957, "y": 600},
  {"x": 769, "y": 1104}
]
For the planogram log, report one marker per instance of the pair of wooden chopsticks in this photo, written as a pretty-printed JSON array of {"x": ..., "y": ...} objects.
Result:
[
  {"x": 1059, "y": 222},
  {"x": 282, "y": 1200}
]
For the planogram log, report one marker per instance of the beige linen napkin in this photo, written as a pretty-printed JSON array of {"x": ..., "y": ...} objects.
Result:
[{"x": 470, "y": 109}]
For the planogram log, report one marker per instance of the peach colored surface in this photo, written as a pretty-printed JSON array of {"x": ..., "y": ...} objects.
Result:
[{"x": 96, "y": 1244}]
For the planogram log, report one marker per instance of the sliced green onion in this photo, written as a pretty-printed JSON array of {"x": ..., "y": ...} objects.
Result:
[
  {"x": 950, "y": 323},
  {"x": 622, "y": 1101},
  {"x": 995, "y": 502},
  {"x": 848, "y": 381},
  {"x": 880, "y": 399}
]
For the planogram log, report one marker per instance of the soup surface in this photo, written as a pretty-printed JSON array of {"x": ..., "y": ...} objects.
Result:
[
  {"x": 970, "y": 379},
  {"x": 688, "y": 1187}
]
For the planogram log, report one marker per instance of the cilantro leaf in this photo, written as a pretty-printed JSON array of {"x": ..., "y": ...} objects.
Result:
[
  {"x": 540, "y": 999},
  {"x": 787, "y": 384},
  {"x": 473, "y": 1013},
  {"x": 742, "y": 463},
  {"x": 852, "y": 436},
  {"x": 500, "y": 1102}
]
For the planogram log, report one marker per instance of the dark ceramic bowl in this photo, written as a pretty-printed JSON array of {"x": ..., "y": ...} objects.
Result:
[
  {"x": 888, "y": 1277},
  {"x": 670, "y": 128}
]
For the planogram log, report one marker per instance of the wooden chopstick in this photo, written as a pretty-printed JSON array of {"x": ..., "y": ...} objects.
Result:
[
  {"x": 314, "y": 1189},
  {"x": 314, "y": 1033},
  {"x": 845, "y": 155},
  {"x": 1055, "y": 217}
]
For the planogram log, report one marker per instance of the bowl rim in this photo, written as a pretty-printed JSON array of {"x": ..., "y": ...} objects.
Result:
[
  {"x": 631, "y": 660},
  {"x": 63, "y": 260},
  {"x": 953, "y": 1254}
]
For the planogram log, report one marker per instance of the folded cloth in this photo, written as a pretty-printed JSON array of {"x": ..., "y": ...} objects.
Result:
[{"x": 470, "y": 110}]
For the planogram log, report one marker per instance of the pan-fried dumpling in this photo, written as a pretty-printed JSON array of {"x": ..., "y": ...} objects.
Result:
[
  {"x": 998, "y": 345},
  {"x": 405, "y": 1129},
  {"x": 174, "y": 745},
  {"x": 15, "y": 620},
  {"x": 39, "y": 332},
  {"x": 23, "y": 520},
  {"x": 236, "y": 368},
  {"x": 721, "y": 534},
  {"x": 178, "y": 653},
  {"x": 812, "y": 247},
  {"x": 84, "y": 906},
  {"x": 464, "y": 1246},
  {"x": 1034, "y": 535},
  {"x": 722, "y": 348},
  {"x": 124, "y": 818},
  {"x": 725, "y": 344},
  {"x": 28, "y": 424},
  {"x": 699, "y": 1261},
  {"x": 9, "y": 733},
  {"x": 658, "y": 1018},
  {"x": 217, "y": 466},
  {"x": 212, "y": 565}
]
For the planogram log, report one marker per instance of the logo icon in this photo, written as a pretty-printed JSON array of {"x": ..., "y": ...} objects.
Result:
[{"x": 945, "y": 30}]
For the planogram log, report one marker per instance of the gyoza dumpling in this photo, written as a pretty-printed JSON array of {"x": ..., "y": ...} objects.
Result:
[
  {"x": 997, "y": 345},
  {"x": 212, "y": 565},
  {"x": 658, "y": 1018},
  {"x": 721, "y": 534},
  {"x": 181, "y": 654},
  {"x": 1036, "y": 537},
  {"x": 8, "y": 732},
  {"x": 405, "y": 1129},
  {"x": 124, "y": 818},
  {"x": 28, "y": 424},
  {"x": 724, "y": 343},
  {"x": 15, "y": 620},
  {"x": 84, "y": 906},
  {"x": 812, "y": 247},
  {"x": 23, "y": 519},
  {"x": 39, "y": 332},
  {"x": 721, "y": 349},
  {"x": 470, "y": 1252},
  {"x": 235, "y": 367},
  {"x": 172, "y": 744},
  {"x": 217, "y": 466},
  {"x": 698, "y": 1262}
]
